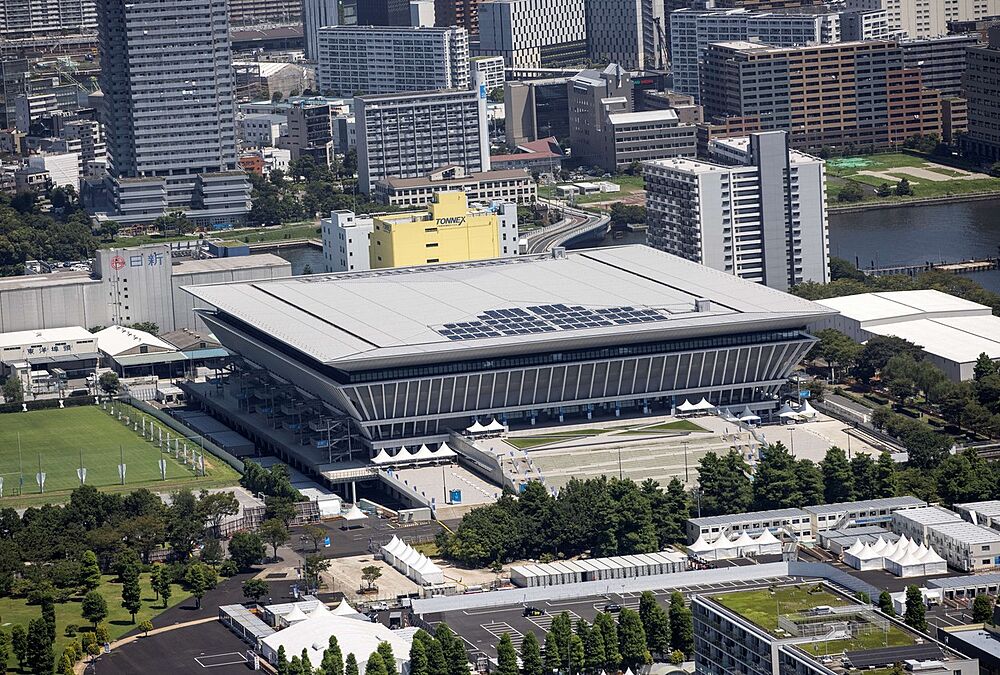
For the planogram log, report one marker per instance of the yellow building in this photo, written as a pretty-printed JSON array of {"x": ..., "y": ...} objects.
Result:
[{"x": 449, "y": 232}]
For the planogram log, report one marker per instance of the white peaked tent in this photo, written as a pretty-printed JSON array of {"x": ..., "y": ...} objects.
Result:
[
  {"x": 354, "y": 513},
  {"x": 748, "y": 416},
  {"x": 728, "y": 415},
  {"x": 495, "y": 426},
  {"x": 294, "y": 616},
  {"x": 427, "y": 572},
  {"x": 786, "y": 413},
  {"x": 701, "y": 546},
  {"x": 345, "y": 609},
  {"x": 745, "y": 544},
  {"x": 476, "y": 428},
  {"x": 393, "y": 550},
  {"x": 382, "y": 457},
  {"x": 724, "y": 548},
  {"x": 686, "y": 406},
  {"x": 916, "y": 561},
  {"x": 854, "y": 548},
  {"x": 703, "y": 405},
  {"x": 767, "y": 543},
  {"x": 424, "y": 453},
  {"x": 412, "y": 563},
  {"x": 880, "y": 546},
  {"x": 444, "y": 451},
  {"x": 403, "y": 455},
  {"x": 319, "y": 610},
  {"x": 807, "y": 410}
]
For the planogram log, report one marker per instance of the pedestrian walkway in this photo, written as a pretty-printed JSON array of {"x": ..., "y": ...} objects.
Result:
[{"x": 82, "y": 665}]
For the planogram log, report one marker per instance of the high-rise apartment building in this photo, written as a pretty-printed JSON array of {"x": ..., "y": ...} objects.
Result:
[
  {"x": 879, "y": 101},
  {"x": 357, "y": 59},
  {"x": 253, "y": 13},
  {"x": 533, "y": 33},
  {"x": 757, "y": 211},
  {"x": 411, "y": 134},
  {"x": 982, "y": 90},
  {"x": 928, "y": 18},
  {"x": 168, "y": 111},
  {"x": 461, "y": 13},
  {"x": 383, "y": 12},
  {"x": 940, "y": 60},
  {"x": 692, "y": 30},
  {"x": 38, "y": 18},
  {"x": 15, "y": 76},
  {"x": 626, "y": 32},
  {"x": 317, "y": 14}
]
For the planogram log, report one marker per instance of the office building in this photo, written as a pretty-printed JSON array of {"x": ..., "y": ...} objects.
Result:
[
  {"x": 167, "y": 83},
  {"x": 940, "y": 60},
  {"x": 461, "y": 13},
  {"x": 881, "y": 102},
  {"x": 597, "y": 330},
  {"x": 535, "y": 109},
  {"x": 125, "y": 286},
  {"x": 46, "y": 18},
  {"x": 360, "y": 60},
  {"x": 587, "y": 97},
  {"x": 14, "y": 79},
  {"x": 626, "y": 32},
  {"x": 309, "y": 131},
  {"x": 383, "y": 13},
  {"x": 927, "y": 18},
  {"x": 87, "y": 138},
  {"x": 317, "y": 14},
  {"x": 533, "y": 33},
  {"x": 492, "y": 69},
  {"x": 255, "y": 13},
  {"x": 758, "y": 212},
  {"x": 864, "y": 24},
  {"x": 261, "y": 130},
  {"x": 758, "y": 5},
  {"x": 785, "y": 634},
  {"x": 982, "y": 91},
  {"x": 692, "y": 30},
  {"x": 409, "y": 135},
  {"x": 630, "y": 138},
  {"x": 450, "y": 231},
  {"x": 951, "y": 331},
  {"x": 515, "y": 186}
]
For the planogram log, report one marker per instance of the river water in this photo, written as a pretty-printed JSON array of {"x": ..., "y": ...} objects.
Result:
[{"x": 880, "y": 237}]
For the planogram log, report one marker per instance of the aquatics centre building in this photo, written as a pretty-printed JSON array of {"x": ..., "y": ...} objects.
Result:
[{"x": 409, "y": 354}]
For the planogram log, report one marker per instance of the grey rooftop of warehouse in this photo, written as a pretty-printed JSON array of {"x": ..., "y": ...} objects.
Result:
[{"x": 620, "y": 294}]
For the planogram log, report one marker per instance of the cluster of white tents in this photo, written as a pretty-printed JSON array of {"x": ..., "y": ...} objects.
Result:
[
  {"x": 422, "y": 454},
  {"x": 804, "y": 413},
  {"x": 904, "y": 557},
  {"x": 411, "y": 562},
  {"x": 478, "y": 429},
  {"x": 746, "y": 416},
  {"x": 702, "y": 406},
  {"x": 763, "y": 544}
]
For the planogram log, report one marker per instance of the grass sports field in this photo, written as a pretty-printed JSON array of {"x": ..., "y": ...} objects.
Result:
[
  {"x": 928, "y": 176},
  {"x": 56, "y": 438}
]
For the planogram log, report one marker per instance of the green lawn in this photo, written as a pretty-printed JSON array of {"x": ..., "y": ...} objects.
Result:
[
  {"x": 56, "y": 439},
  {"x": 527, "y": 442},
  {"x": 922, "y": 188},
  {"x": 763, "y": 607},
  {"x": 118, "y": 622},
  {"x": 679, "y": 425},
  {"x": 251, "y": 235}
]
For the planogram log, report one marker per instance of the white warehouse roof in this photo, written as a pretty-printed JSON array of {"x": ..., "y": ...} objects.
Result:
[
  {"x": 947, "y": 327},
  {"x": 44, "y": 335}
]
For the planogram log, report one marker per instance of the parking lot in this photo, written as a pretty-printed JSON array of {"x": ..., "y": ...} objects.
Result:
[
  {"x": 202, "y": 647},
  {"x": 482, "y": 629}
]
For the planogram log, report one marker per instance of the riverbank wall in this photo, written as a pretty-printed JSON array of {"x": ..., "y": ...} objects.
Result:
[{"x": 949, "y": 199}]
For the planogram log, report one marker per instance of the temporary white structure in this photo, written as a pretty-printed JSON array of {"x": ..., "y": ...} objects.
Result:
[
  {"x": 354, "y": 513},
  {"x": 495, "y": 426},
  {"x": 686, "y": 406},
  {"x": 745, "y": 544},
  {"x": 382, "y": 457},
  {"x": 423, "y": 454},
  {"x": 786, "y": 413},
  {"x": 767, "y": 543},
  {"x": 294, "y": 616},
  {"x": 748, "y": 416},
  {"x": 700, "y": 546},
  {"x": 913, "y": 561},
  {"x": 703, "y": 404},
  {"x": 445, "y": 451},
  {"x": 476, "y": 428},
  {"x": 411, "y": 562},
  {"x": 807, "y": 410}
]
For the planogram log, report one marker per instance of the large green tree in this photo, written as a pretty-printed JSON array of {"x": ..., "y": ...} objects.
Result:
[
  {"x": 632, "y": 640},
  {"x": 916, "y": 611},
  {"x": 655, "y": 623},
  {"x": 838, "y": 479},
  {"x": 40, "y": 657},
  {"x": 506, "y": 657},
  {"x": 681, "y": 625},
  {"x": 724, "y": 484},
  {"x": 531, "y": 655}
]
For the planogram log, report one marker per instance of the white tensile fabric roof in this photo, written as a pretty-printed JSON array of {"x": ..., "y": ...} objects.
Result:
[
  {"x": 476, "y": 428},
  {"x": 355, "y": 513},
  {"x": 686, "y": 406},
  {"x": 495, "y": 426}
]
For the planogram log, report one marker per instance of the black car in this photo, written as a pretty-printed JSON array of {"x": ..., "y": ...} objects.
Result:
[
  {"x": 612, "y": 607},
  {"x": 372, "y": 616},
  {"x": 532, "y": 611}
]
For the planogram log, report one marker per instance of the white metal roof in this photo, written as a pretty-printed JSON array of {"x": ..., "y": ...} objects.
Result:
[
  {"x": 966, "y": 532},
  {"x": 114, "y": 340},
  {"x": 865, "y": 307},
  {"x": 644, "y": 116},
  {"x": 44, "y": 335},
  {"x": 958, "y": 339},
  {"x": 929, "y": 515},
  {"x": 357, "y": 316}
]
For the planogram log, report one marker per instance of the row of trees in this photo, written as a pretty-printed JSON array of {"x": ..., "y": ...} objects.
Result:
[
  {"x": 636, "y": 639},
  {"x": 606, "y": 516}
]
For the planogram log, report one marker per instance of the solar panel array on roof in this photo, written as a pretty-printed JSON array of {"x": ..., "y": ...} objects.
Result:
[
  {"x": 887, "y": 656},
  {"x": 546, "y": 319}
]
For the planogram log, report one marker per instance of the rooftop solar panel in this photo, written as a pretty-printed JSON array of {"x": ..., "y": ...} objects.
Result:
[{"x": 545, "y": 319}]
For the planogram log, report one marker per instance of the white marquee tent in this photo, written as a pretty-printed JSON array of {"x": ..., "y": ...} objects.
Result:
[{"x": 412, "y": 563}]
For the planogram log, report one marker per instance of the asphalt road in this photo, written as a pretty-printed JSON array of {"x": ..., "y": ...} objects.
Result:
[{"x": 350, "y": 541}]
